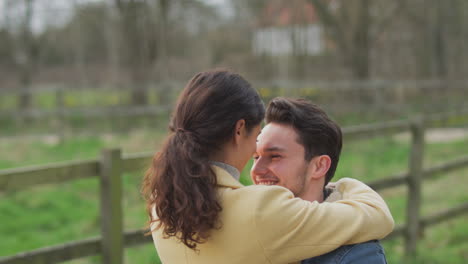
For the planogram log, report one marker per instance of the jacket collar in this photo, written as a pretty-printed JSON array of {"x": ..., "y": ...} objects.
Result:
[
  {"x": 225, "y": 179},
  {"x": 230, "y": 169}
]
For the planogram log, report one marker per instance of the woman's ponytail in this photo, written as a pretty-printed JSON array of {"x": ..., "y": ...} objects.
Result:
[{"x": 180, "y": 185}]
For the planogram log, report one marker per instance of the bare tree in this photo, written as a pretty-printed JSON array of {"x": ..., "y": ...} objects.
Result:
[
  {"x": 353, "y": 27},
  {"x": 24, "y": 54},
  {"x": 438, "y": 28},
  {"x": 112, "y": 44},
  {"x": 163, "y": 38},
  {"x": 136, "y": 57},
  {"x": 78, "y": 48}
]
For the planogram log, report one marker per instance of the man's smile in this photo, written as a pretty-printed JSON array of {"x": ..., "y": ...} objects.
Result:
[{"x": 266, "y": 181}]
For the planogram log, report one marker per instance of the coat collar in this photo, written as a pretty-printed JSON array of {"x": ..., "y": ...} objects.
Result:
[{"x": 225, "y": 179}]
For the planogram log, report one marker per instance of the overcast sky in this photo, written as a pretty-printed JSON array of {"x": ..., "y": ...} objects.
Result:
[
  {"x": 46, "y": 12},
  {"x": 57, "y": 12}
]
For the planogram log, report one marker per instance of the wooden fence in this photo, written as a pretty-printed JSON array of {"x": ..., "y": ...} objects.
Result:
[
  {"x": 333, "y": 94},
  {"x": 112, "y": 165}
]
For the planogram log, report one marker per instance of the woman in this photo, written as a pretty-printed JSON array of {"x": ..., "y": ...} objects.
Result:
[{"x": 200, "y": 213}]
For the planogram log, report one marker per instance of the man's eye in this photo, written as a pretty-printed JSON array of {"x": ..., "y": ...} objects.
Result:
[{"x": 275, "y": 156}]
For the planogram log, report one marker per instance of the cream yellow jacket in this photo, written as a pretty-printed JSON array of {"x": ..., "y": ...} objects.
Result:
[{"x": 266, "y": 224}]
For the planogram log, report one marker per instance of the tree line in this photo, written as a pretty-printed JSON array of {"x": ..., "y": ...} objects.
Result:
[{"x": 137, "y": 43}]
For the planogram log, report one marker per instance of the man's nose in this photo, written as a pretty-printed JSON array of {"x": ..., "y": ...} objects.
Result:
[{"x": 258, "y": 168}]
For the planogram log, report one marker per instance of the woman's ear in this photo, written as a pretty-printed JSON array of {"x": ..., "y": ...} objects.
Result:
[
  {"x": 239, "y": 130},
  {"x": 319, "y": 166}
]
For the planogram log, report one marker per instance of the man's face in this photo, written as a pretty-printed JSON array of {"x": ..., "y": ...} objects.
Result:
[{"x": 279, "y": 159}]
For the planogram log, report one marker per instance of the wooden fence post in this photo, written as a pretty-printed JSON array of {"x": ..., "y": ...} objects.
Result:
[
  {"x": 111, "y": 206},
  {"x": 414, "y": 186}
]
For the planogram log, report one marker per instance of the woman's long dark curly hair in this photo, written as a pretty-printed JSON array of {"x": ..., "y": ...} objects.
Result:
[{"x": 180, "y": 184}]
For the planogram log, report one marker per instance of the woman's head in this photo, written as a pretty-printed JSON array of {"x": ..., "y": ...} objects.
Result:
[
  {"x": 210, "y": 113},
  {"x": 211, "y": 105}
]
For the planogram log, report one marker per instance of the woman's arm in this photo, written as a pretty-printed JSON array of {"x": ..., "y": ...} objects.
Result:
[{"x": 291, "y": 229}]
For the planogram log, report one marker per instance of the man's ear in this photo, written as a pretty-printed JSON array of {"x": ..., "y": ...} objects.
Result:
[
  {"x": 239, "y": 130},
  {"x": 319, "y": 166}
]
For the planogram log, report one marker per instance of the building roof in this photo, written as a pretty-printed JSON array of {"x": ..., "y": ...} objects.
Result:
[{"x": 280, "y": 13}]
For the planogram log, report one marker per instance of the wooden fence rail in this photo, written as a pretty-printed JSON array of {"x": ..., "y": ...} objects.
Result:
[
  {"x": 112, "y": 165},
  {"x": 342, "y": 85},
  {"x": 60, "y": 110}
]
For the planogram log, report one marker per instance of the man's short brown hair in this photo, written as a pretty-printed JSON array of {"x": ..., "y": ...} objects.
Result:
[{"x": 317, "y": 133}]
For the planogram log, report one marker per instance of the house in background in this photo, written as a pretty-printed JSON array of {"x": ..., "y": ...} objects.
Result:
[{"x": 288, "y": 28}]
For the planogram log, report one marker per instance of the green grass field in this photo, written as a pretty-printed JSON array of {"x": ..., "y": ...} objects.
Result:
[{"x": 54, "y": 214}]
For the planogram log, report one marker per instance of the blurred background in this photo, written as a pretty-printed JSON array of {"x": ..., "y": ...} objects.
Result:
[{"x": 77, "y": 76}]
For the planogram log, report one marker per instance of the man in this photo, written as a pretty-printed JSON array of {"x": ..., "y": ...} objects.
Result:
[{"x": 299, "y": 149}]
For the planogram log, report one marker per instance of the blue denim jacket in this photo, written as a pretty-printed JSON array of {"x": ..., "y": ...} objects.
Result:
[{"x": 369, "y": 253}]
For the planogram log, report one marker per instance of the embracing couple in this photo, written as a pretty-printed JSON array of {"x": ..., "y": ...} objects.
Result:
[{"x": 200, "y": 212}]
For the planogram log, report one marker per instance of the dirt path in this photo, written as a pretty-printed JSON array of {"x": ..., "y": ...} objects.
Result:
[{"x": 439, "y": 135}]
